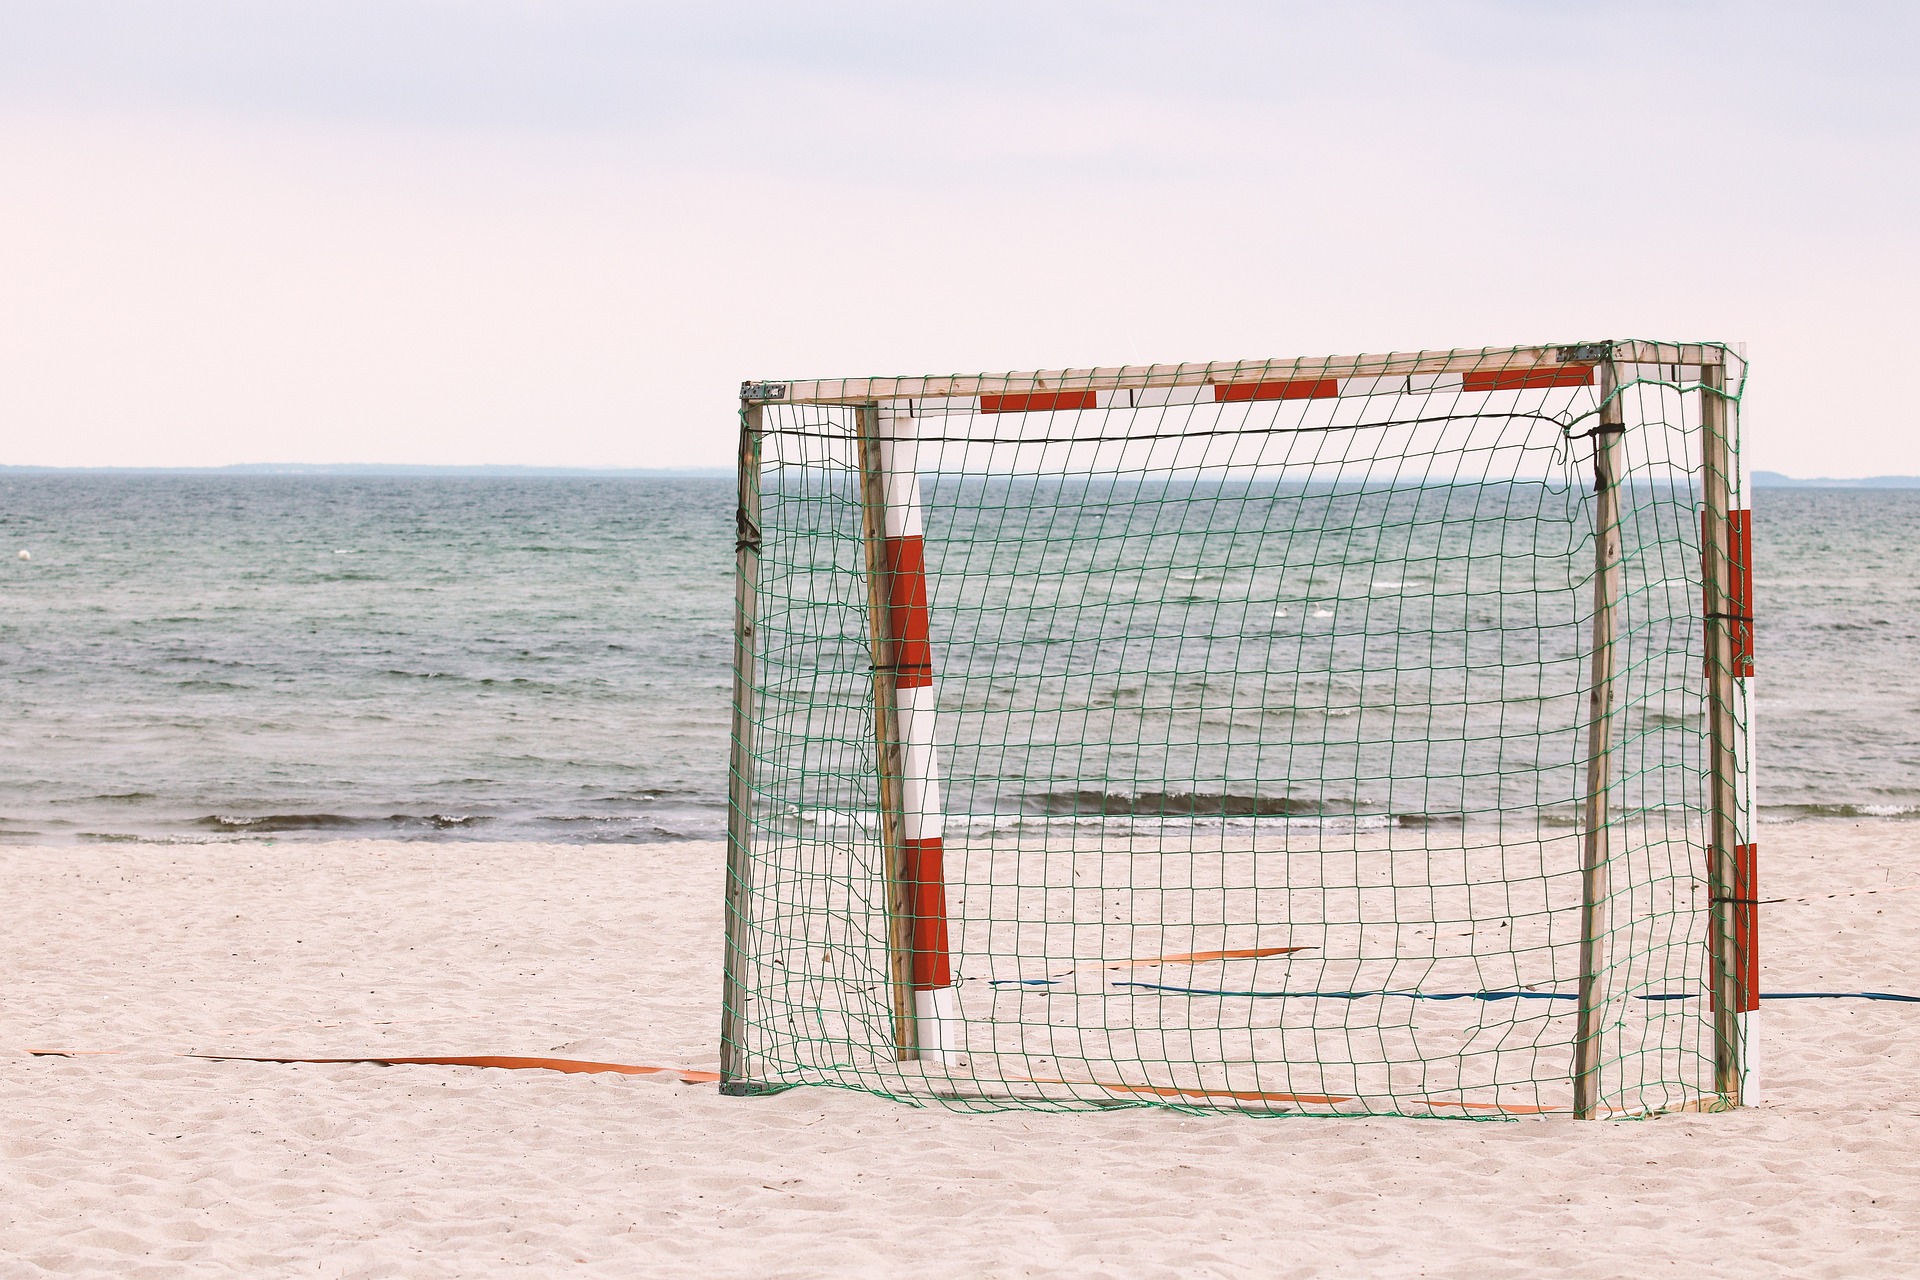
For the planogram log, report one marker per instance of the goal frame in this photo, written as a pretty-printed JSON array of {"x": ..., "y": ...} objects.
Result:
[{"x": 1726, "y": 614}]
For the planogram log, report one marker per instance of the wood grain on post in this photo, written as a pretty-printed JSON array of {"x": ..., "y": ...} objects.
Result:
[
  {"x": 1609, "y": 451},
  {"x": 733, "y": 1020},
  {"x": 1722, "y": 734}
]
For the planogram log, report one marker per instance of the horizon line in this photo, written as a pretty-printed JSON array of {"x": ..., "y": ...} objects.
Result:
[
  {"x": 372, "y": 469},
  {"x": 1760, "y": 478}
]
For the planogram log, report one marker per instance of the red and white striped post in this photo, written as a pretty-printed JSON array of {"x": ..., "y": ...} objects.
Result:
[{"x": 936, "y": 1005}]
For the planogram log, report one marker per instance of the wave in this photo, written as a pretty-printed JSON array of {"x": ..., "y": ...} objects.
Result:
[
  {"x": 1168, "y": 809},
  {"x": 277, "y": 823},
  {"x": 1796, "y": 812},
  {"x": 1175, "y": 804},
  {"x": 1152, "y": 824}
]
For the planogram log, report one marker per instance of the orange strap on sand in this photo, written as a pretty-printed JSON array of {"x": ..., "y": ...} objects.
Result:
[
  {"x": 573, "y": 1066},
  {"x": 568, "y": 1065},
  {"x": 1204, "y": 957},
  {"x": 1189, "y": 957}
]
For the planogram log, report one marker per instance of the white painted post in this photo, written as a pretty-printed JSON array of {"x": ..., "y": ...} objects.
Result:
[
  {"x": 1743, "y": 728},
  {"x": 1725, "y": 554}
]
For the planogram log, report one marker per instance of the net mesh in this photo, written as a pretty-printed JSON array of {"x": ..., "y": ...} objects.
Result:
[{"x": 1260, "y": 708}]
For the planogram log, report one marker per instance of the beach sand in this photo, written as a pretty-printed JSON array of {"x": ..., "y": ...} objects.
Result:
[{"x": 139, "y": 1161}]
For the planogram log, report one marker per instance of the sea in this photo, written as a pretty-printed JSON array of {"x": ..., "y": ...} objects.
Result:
[{"x": 258, "y": 657}]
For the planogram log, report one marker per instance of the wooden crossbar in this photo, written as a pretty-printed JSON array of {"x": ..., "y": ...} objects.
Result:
[{"x": 1232, "y": 372}]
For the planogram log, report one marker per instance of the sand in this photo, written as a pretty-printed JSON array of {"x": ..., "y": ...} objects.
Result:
[
  {"x": 142, "y": 1162},
  {"x": 1042, "y": 931}
]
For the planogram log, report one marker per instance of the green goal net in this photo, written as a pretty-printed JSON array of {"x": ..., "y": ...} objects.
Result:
[{"x": 1358, "y": 735}]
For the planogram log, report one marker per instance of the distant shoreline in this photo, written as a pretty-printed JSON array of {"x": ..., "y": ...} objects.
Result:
[
  {"x": 1761, "y": 479},
  {"x": 381, "y": 469},
  {"x": 1774, "y": 480}
]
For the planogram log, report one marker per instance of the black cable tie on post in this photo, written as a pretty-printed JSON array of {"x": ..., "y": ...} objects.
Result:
[
  {"x": 746, "y": 534},
  {"x": 1746, "y": 902},
  {"x": 1604, "y": 429},
  {"x": 1730, "y": 617}
]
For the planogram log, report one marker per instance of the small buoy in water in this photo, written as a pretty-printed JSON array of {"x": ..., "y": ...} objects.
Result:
[{"x": 26, "y": 555}]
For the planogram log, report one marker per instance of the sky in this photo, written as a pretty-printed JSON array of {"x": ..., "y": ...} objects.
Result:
[{"x": 562, "y": 232}]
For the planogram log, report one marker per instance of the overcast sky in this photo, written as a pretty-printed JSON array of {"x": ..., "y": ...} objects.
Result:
[{"x": 561, "y": 232}]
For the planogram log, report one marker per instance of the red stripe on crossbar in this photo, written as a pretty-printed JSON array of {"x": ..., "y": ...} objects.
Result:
[
  {"x": 927, "y": 900},
  {"x": 1746, "y": 927},
  {"x": 1039, "y": 402},
  {"x": 1566, "y": 375},
  {"x": 1279, "y": 389},
  {"x": 907, "y": 620}
]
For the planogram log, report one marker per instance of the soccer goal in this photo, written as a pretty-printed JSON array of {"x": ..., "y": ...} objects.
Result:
[{"x": 1329, "y": 736}]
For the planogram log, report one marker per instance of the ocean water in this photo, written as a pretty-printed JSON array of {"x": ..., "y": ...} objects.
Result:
[
  {"x": 458, "y": 658},
  {"x": 236, "y": 657},
  {"x": 1837, "y": 586}
]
